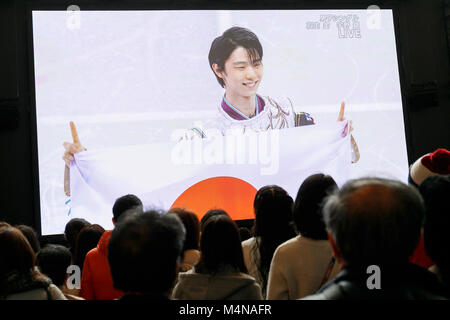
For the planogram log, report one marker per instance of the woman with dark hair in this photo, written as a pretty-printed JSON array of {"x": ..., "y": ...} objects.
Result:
[
  {"x": 19, "y": 278},
  {"x": 71, "y": 231},
  {"x": 300, "y": 265},
  {"x": 221, "y": 273},
  {"x": 273, "y": 226},
  {"x": 191, "y": 252},
  {"x": 211, "y": 213},
  {"x": 87, "y": 240},
  {"x": 31, "y": 236}
]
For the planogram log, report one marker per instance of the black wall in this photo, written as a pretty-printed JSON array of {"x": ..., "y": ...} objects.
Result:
[{"x": 424, "y": 62}]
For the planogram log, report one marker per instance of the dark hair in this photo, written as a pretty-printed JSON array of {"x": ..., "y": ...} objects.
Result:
[
  {"x": 73, "y": 228},
  {"x": 212, "y": 213},
  {"x": 435, "y": 191},
  {"x": 16, "y": 255},
  {"x": 53, "y": 260},
  {"x": 224, "y": 45},
  {"x": 31, "y": 236},
  {"x": 125, "y": 203},
  {"x": 220, "y": 246},
  {"x": 244, "y": 233},
  {"x": 192, "y": 226},
  {"x": 308, "y": 206},
  {"x": 273, "y": 225},
  {"x": 144, "y": 250},
  {"x": 87, "y": 240},
  {"x": 374, "y": 221}
]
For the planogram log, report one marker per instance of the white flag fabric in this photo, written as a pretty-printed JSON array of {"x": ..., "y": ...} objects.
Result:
[{"x": 159, "y": 173}]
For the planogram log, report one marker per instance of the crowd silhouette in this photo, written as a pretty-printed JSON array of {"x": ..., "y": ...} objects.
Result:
[{"x": 322, "y": 245}]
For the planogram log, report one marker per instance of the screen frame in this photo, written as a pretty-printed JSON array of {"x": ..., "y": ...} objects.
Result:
[{"x": 98, "y": 5}]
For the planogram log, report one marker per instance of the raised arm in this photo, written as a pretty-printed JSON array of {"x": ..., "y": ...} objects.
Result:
[
  {"x": 349, "y": 128},
  {"x": 70, "y": 148}
]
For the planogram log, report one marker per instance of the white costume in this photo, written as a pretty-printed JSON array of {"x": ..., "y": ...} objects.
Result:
[
  {"x": 277, "y": 114},
  {"x": 273, "y": 114}
]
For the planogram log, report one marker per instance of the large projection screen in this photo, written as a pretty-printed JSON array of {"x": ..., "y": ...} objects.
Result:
[{"x": 132, "y": 78}]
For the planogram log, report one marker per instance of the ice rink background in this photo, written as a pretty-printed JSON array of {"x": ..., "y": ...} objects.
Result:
[{"x": 132, "y": 77}]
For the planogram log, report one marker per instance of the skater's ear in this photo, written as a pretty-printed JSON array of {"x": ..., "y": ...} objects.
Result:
[{"x": 218, "y": 70}]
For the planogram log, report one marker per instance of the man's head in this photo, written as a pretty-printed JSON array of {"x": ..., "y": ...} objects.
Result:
[
  {"x": 236, "y": 60},
  {"x": 144, "y": 251},
  {"x": 374, "y": 221},
  {"x": 125, "y": 203}
]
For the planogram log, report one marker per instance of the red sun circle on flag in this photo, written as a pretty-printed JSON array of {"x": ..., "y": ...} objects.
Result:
[{"x": 233, "y": 195}]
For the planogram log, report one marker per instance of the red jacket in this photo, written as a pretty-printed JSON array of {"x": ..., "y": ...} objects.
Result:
[{"x": 96, "y": 280}]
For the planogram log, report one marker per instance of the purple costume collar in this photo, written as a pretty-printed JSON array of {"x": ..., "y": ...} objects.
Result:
[{"x": 234, "y": 113}]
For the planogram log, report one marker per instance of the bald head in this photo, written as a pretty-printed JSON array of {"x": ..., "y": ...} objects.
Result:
[{"x": 374, "y": 221}]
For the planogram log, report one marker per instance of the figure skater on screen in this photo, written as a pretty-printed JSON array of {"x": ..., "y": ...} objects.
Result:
[{"x": 235, "y": 58}]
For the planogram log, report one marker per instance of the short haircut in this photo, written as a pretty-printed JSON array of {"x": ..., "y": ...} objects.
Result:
[
  {"x": 125, "y": 203},
  {"x": 435, "y": 191},
  {"x": 220, "y": 245},
  {"x": 375, "y": 221},
  {"x": 31, "y": 236},
  {"x": 224, "y": 45},
  {"x": 192, "y": 226},
  {"x": 308, "y": 206},
  {"x": 144, "y": 250},
  {"x": 73, "y": 227},
  {"x": 53, "y": 260}
]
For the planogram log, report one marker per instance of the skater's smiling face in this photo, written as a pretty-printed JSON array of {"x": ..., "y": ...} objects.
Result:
[
  {"x": 235, "y": 58},
  {"x": 242, "y": 72}
]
